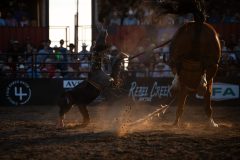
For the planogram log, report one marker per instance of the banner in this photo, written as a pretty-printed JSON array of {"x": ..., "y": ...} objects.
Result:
[{"x": 15, "y": 92}]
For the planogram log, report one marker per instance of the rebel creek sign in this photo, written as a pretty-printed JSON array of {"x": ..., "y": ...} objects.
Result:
[{"x": 146, "y": 92}]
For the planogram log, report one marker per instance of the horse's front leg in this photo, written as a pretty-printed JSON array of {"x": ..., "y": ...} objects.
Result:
[
  {"x": 208, "y": 107},
  {"x": 65, "y": 104},
  {"x": 182, "y": 96}
]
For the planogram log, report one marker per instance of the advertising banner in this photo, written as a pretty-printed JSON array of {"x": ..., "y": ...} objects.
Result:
[{"x": 47, "y": 91}]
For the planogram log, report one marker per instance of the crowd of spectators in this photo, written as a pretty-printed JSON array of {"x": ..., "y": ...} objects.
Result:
[
  {"x": 15, "y": 13},
  {"x": 147, "y": 12},
  {"x": 27, "y": 61},
  {"x": 24, "y": 60}
]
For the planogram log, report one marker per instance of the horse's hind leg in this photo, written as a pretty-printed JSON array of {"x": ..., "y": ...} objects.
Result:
[
  {"x": 182, "y": 96},
  {"x": 85, "y": 114},
  {"x": 208, "y": 108}
]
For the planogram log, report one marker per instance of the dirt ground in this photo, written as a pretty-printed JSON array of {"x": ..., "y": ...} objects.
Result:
[{"x": 29, "y": 133}]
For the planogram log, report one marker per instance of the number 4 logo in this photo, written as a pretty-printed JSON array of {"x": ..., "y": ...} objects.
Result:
[{"x": 19, "y": 94}]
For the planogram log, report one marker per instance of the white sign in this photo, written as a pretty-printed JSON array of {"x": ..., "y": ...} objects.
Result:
[
  {"x": 145, "y": 93},
  {"x": 71, "y": 83},
  {"x": 18, "y": 92},
  {"x": 224, "y": 91}
]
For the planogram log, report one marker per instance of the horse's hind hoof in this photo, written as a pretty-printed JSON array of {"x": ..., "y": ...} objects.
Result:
[
  {"x": 60, "y": 124},
  {"x": 176, "y": 125},
  {"x": 212, "y": 124},
  {"x": 84, "y": 124}
]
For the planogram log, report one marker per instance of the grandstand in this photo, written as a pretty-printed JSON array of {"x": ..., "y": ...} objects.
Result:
[{"x": 26, "y": 52}]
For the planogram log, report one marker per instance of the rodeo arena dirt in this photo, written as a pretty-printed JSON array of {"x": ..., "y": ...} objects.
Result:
[
  {"x": 30, "y": 133},
  {"x": 119, "y": 113}
]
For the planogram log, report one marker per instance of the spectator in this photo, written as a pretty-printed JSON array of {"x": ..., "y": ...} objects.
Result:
[
  {"x": 48, "y": 70},
  {"x": 70, "y": 73},
  {"x": 57, "y": 74},
  {"x": 24, "y": 22},
  {"x": 130, "y": 19},
  {"x": 63, "y": 52},
  {"x": 93, "y": 46},
  {"x": 28, "y": 51},
  {"x": 71, "y": 55},
  {"x": 10, "y": 20},
  {"x": 7, "y": 72},
  {"x": 115, "y": 20},
  {"x": 21, "y": 72},
  {"x": 84, "y": 52},
  {"x": 43, "y": 54},
  {"x": 141, "y": 71},
  {"x": 162, "y": 70},
  {"x": 84, "y": 67},
  {"x": 2, "y": 21},
  {"x": 237, "y": 51}
]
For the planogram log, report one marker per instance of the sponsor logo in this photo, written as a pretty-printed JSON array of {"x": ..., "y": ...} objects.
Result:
[
  {"x": 71, "y": 83},
  {"x": 224, "y": 91},
  {"x": 18, "y": 92},
  {"x": 146, "y": 93}
]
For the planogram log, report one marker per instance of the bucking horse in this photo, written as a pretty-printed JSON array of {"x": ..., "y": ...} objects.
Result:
[
  {"x": 194, "y": 56},
  {"x": 195, "y": 52},
  {"x": 97, "y": 82}
]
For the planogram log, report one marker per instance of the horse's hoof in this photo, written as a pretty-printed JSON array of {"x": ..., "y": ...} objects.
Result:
[
  {"x": 84, "y": 124},
  {"x": 176, "y": 125},
  {"x": 212, "y": 123},
  {"x": 60, "y": 124}
]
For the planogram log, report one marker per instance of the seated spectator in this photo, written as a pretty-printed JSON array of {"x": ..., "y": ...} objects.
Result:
[
  {"x": 43, "y": 54},
  {"x": 70, "y": 73},
  {"x": 2, "y": 21},
  {"x": 214, "y": 17},
  {"x": 115, "y": 20},
  {"x": 33, "y": 71},
  {"x": 10, "y": 20},
  {"x": 84, "y": 67},
  {"x": 7, "y": 72},
  {"x": 141, "y": 71},
  {"x": 21, "y": 71},
  {"x": 57, "y": 74},
  {"x": 24, "y": 22},
  {"x": 162, "y": 70},
  {"x": 48, "y": 69},
  {"x": 130, "y": 19}
]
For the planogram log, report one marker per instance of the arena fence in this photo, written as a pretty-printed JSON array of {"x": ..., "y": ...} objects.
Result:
[
  {"x": 24, "y": 87},
  {"x": 46, "y": 91}
]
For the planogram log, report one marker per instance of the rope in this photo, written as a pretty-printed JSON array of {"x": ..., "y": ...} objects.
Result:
[{"x": 141, "y": 53}]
